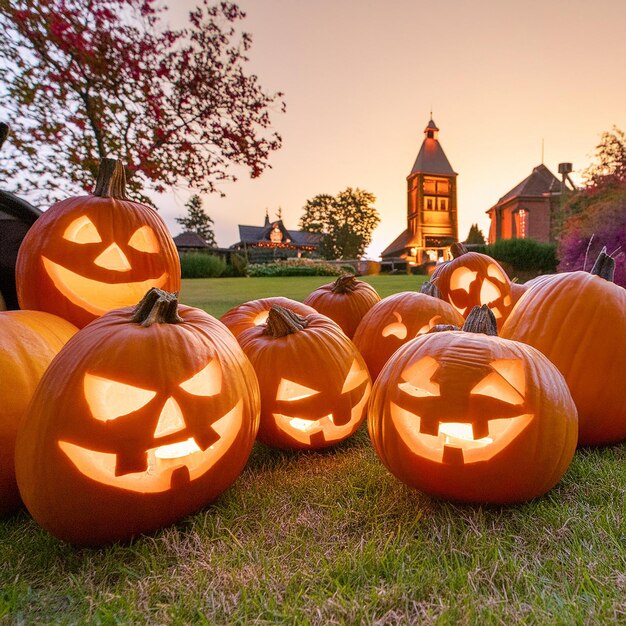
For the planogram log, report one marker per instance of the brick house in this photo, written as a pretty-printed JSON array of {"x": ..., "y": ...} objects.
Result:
[{"x": 529, "y": 210}]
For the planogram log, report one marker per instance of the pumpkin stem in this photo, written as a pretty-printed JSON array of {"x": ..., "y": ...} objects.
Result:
[
  {"x": 282, "y": 322},
  {"x": 4, "y": 133},
  {"x": 345, "y": 284},
  {"x": 457, "y": 249},
  {"x": 481, "y": 320},
  {"x": 431, "y": 289},
  {"x": 604, "y": 266},
  {"x": 157, "y": 307},
  {"x": 111, "y": 181}
]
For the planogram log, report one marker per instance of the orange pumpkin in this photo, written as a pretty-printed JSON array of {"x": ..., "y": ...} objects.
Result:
[
  {"x": 255, "y": 312},
  {"x": 578, "y": 320},
  {"x": 145, "y": 416},
  {"x": 28, "y": 342},
  {"x": 314, "y": 383},
  {"x": 89, "y": 254},
  {"x": 471, "y": 417},
  {"x": 472, "y": 279},
  {"x": 396, "y": 320},
  {"x": 346, "y": 301}
]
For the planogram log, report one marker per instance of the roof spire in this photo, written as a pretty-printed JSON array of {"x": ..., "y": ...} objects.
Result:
[{"x": 267, "y": 218}]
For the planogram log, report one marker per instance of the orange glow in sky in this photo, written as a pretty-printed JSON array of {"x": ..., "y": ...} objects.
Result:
[{"x": 360, "y": 78}]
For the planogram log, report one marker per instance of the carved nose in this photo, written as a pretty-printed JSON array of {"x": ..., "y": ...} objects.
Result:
[
  {"x": 171, "y": 419},
  {"x": 113, "y": 259}
]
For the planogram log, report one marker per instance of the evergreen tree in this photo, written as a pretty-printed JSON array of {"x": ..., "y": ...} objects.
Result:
[
  {"x": 198, "y": 221},
  {"x": 475, "y": 235}
]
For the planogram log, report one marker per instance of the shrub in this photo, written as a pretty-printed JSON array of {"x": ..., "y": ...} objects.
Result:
[
  {"x": 599, "y": 220},
  {"x": 294, "y": 267},
  {"x": 524, "y": 255},
  {"x": 238, "y": 266},
  {"x": 201, "y": 265}
]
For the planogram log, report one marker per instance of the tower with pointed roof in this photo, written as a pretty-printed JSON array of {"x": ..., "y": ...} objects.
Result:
[{"x": 431, "y": 206}]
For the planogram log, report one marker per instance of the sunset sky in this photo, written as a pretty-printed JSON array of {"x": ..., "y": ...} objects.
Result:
[{"x": 360, "y": 78}]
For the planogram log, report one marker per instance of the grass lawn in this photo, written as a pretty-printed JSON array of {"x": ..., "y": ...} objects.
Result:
[{"x": 333, "y": 538}]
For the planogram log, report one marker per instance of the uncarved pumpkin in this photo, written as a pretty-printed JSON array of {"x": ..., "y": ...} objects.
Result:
[
  {"x": 145, "y": 416},
  {"x": 314, "y": 383},
  {"x": 396, "y": 320},
  {"x": 578, "y": 320},
  {"x": 89, "y": 254},
  {"x": 346, "y": 301},
  {"x": 255, "y": 312},
  {"x": 471, "y": 417},
  {"x": 28, "y": 342}
]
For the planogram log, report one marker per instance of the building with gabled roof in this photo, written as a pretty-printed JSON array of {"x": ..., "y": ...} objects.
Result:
[
  {"x": 274, "y": 241},
  {"x": 431, "y": 207},
  {"x": 529, "y": 210}
]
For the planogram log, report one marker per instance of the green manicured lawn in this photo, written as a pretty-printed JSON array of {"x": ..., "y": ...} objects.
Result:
[
  {"x": 333, "y": 538},
  {"x": 218, "y": 295}
]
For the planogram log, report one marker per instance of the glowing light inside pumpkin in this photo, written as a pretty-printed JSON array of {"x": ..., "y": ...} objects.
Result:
[
  {"x": 417, "y": 377},
  {"x": 356, "y": 376},
  {"x": 494, "y": 272},
  {"x": 489, "y": 292},
  {"x": 113, "y": 259},
  {"x": 462, "y": 278},
  {"x": 289, "y": 391},
  {"x": 207, "y": 382},
  {"x": 456, "y": 432},
  {"x": 144, "y": 240},
  {"x": 82, "y": 230},
  {"x": 506, "y": 383},
  {"x": 163, "y": 461},
  {"x": 171, "y": 419},
  {"x": 94, "y": 296},
  {"x": 433, "y": 321},
  {"x": 308, "y": 425},
  {"x": 109, "y": 399},
  {"x": 397, "y": 328}
]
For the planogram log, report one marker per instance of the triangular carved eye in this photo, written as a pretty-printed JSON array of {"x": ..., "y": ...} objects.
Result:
[
  {"x": 207, "y": 382},
  {"x": 82, "y": 230},
  {"x": 109, "y": 399},
  {"x": 417, "y": 377},
  {"x": 144, "y": 240},
  {"x": 290, "y": 391},
  {"x": 506, "y": 383},
  {"x": 356, "y": 376}
]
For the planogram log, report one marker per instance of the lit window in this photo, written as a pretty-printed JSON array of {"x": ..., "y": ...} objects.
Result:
[{"x": 523, "y": 223}]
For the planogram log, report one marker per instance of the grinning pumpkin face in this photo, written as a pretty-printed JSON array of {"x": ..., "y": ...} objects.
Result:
[
  {"x": 314, "y": 383},
  {"x": 91, "y": 254},
  {"x": 459, "y": 413},
  {"x": 150, "y": 440},
  {"x": 473, "y": 418},
  {"x": 146, "y": 416},
  {"x": 320, "y": 416}
]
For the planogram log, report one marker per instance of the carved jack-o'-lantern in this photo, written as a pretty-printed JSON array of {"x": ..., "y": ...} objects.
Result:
[
  {"x": 314, "y": 383},
  {"x": 89, "y": 254},
  {"x": 397, "y": 319},
  {"x": 145, "y": 417},
  {"x": 345, "y": 301},
  {"x": 472, "y": 279},
  {"x": 472, "y": 417},
  {"x": 255, "y": 313}
]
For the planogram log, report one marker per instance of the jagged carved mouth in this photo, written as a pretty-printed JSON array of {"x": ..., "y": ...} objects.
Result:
[
  {"x": 168, "y": 465},
  {"x": 454, "y": 442},
  {"x": 308, "y": 431},
  {"x": 95, "y": 296}
]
